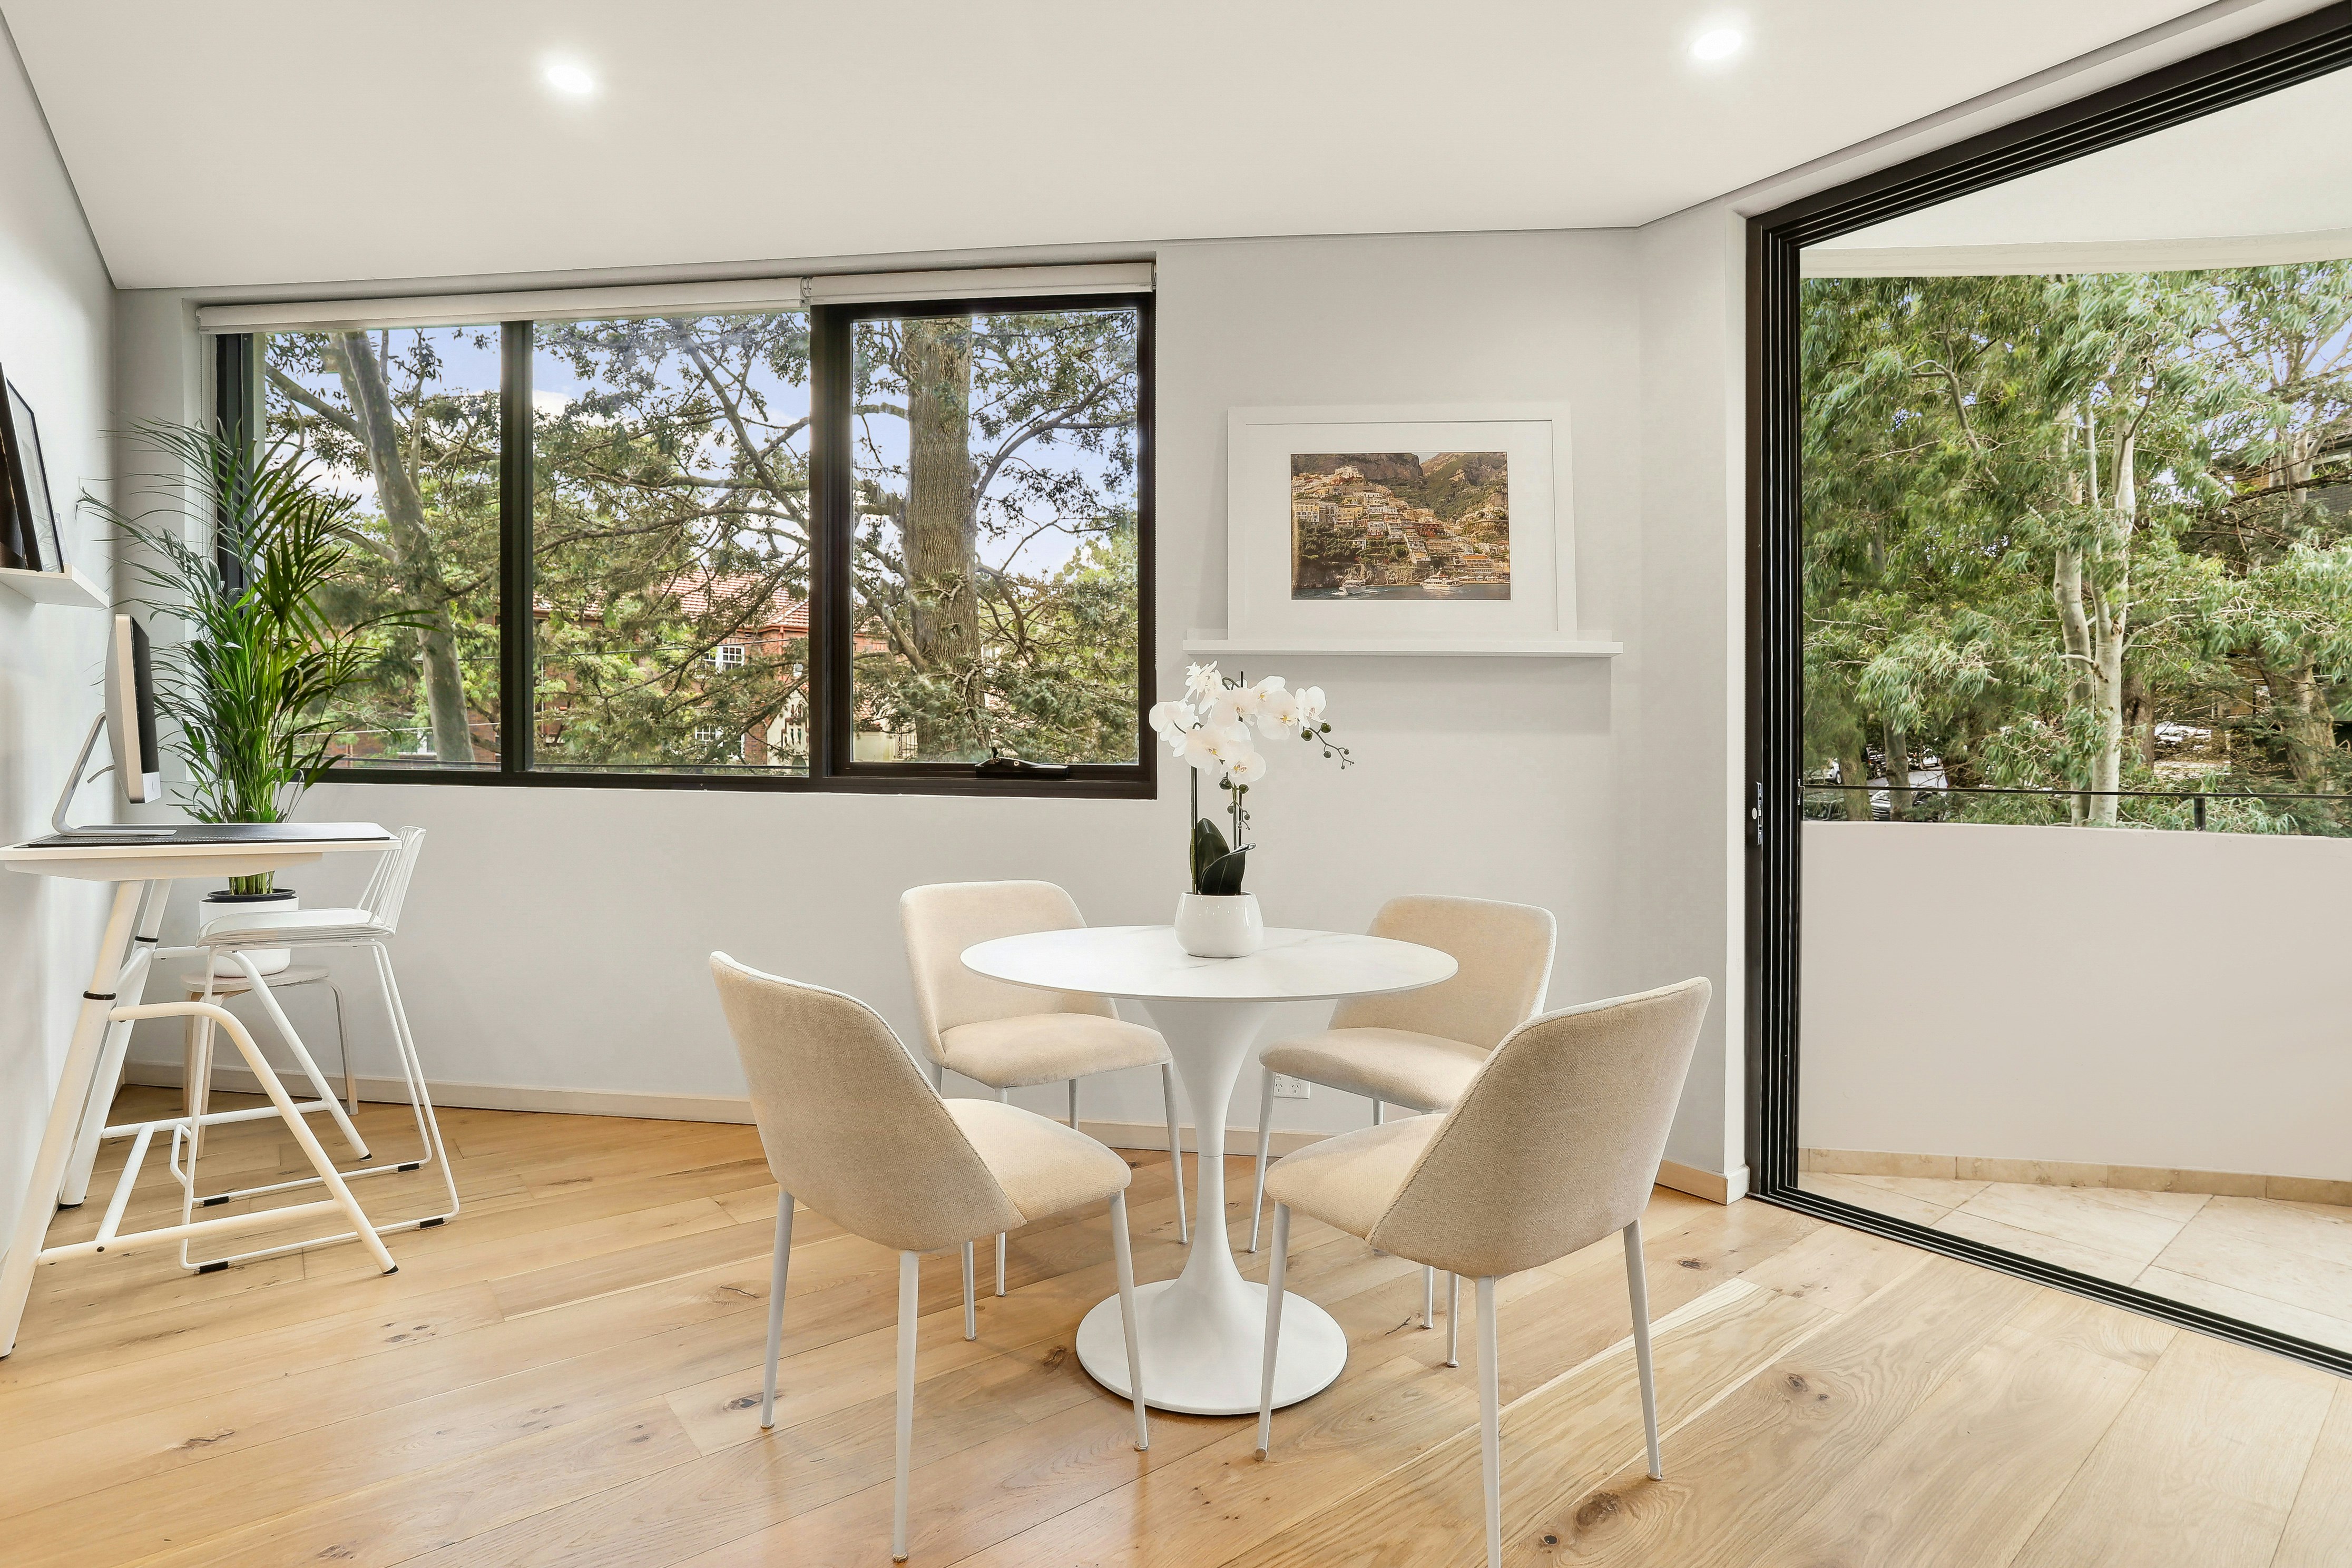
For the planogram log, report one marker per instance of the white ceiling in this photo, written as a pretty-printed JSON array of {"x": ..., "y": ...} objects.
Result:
[
  {"x": 240, "y": 142},
  {"x": 2276, "y": 166}
]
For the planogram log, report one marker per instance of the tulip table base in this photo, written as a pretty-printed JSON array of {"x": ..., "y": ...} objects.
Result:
[{"x": 1203, "y": 1332}]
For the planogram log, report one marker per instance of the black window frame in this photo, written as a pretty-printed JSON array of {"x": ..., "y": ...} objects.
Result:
[
  {"x": 2294, "y": 52},
  {"x": 832, "y": 766}
]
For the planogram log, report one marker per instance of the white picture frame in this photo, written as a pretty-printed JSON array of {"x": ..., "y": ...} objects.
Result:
[{"x": 1539, "y": 616}]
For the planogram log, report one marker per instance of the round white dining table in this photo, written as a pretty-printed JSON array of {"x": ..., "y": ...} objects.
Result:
[{"x": 1202, "y": 1333}]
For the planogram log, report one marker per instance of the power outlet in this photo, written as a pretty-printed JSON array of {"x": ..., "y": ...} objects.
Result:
[{"x": 1288, "y": 1087}]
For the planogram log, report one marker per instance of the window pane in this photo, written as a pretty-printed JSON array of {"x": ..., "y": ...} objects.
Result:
[
  {"x": 408, "y": 421},
  {"x": 670, "y": 540},
  {"x": 996, "y": 583}
]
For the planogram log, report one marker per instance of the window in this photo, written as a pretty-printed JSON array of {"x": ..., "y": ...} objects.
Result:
[{"x": 856, "y": 545}]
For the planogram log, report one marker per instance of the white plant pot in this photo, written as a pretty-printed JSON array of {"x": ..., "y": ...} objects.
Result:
[
  {"x": 219, "y": 906},
  {"x": 1219, "y": 925}
]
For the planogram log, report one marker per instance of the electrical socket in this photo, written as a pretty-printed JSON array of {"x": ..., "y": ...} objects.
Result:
[{"x": 1288, "y": 1087}]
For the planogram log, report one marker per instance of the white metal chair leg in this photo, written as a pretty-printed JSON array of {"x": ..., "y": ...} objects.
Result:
[
  {"x": 1074, "y": 1105},
  {"x": 1264, "y": 1141},
  {"x": 1004, "y": 1097},
  {"x": 343, "y": 1047},
  {"x": 1380, "y": 1112},
  {"x": 1275, "y": 1269},
  {"x": 971, "y": 1309},
  {"x": 776, "y": 1276},
  {"x": 310, "y": 1065},
  {"x": 1175, "y": 1150},
  {"x": 1428, "y": 1297},
  {"x": 1127, "y": 1319},
  {"x": 1490, "y": 1421},
  {"x": 1453, "y": 1320},
  {"x": 910, "y": 1269},
  {"x": 1637, "y": 1287}
]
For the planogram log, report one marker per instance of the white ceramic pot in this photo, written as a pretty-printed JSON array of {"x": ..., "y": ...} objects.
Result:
[
  {"x": 1219, "y": 925},
  {"x": 220, "y": 906}
]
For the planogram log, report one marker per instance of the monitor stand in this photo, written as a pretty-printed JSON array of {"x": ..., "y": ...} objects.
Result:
[{"x": 74, "y": 781}]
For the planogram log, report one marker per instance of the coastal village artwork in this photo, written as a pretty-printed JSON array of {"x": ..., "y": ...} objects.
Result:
[{"x": 1399, "y": 525}]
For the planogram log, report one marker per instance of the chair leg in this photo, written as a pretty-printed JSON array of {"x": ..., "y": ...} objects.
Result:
[
  {"x": 1453, "y": 1320},
  {"x": 1637, "y": 1287},
  {"x": 1490, "y": 1421},
  {"x": 1175, "y": 1150},
  {"x": 1124, "y": 1260},
  {"x": 1428, "y": 1297},
  {"x": 1004, "y": 1097},
  {"x": 910, "y": 1269},
  {"x": 970, "y": 1311},
  {"x": 782, "y": 1266},
  {"x": 1264, "y": 1142},
  {"x": 1275, "y": 1269},
  {"x": 343, "y": 1049},
  {"x": 268, "y": 999},
  {"x": 1074, "y": 1105},
  {"x": 1380, "y": 1113}
]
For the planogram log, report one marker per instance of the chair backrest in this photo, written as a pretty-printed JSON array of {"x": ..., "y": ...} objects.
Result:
[
  {"x": 941, "y": 920},
  {"x": 1505, "y": 952},
  {"x": 1555, "y": 1142},
  {"x": 850, "y": 1124},
  {"x": 387, "y": 886}
]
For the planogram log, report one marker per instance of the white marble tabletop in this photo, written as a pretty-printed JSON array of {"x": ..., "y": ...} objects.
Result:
[{"x": 1146, "y": 963}]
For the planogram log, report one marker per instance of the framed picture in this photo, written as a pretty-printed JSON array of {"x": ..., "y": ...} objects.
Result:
[
  {"x": 1400, "y": 527},
  {"x": 33, "y": 530}
]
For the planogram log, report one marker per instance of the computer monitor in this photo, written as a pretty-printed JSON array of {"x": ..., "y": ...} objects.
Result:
[
  {"x": 129, "y": 721},
  {"x": 130, "y": 711}
]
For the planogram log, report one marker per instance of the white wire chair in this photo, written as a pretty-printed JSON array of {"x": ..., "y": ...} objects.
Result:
[{"x": 367, "y": 925}]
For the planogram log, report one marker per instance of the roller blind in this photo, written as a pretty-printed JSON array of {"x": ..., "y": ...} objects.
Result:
[{"x": 672, "y": 299}]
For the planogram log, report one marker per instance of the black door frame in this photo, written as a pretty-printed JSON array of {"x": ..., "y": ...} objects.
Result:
[{"x": 2282, "y": 57}]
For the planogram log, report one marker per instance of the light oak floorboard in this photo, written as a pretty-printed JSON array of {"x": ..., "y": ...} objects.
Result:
[{"x": 568, "y": 1374}]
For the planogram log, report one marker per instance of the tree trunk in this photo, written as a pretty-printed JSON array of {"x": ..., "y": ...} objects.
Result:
[
  {"x": 2111, "y": 629},
  {"x": 414, "y": 562},
  {"x": 942, "y": 544},
  {"x": 1898, "y": 767},
  {"x": 2139, "y": 718},
  {"x": 1854, "y": 773},
  {"x": 2299, "y": 706}
]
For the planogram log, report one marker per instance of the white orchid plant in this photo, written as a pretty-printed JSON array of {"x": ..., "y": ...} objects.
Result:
[{"x": 1215, "y": 726}]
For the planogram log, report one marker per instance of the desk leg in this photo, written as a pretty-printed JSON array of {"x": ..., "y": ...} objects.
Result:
[
  {"x": 135, "y": 976},
  {"x": 74, "y": 1087}
]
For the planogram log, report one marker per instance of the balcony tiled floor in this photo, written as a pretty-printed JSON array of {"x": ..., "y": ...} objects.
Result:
[{"x": 2285, "y": 1266}]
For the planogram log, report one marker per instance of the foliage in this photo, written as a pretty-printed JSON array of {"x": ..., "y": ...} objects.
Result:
[
  {"x": 2054, "y": 525},
  {"x": 249, "y": 687}
]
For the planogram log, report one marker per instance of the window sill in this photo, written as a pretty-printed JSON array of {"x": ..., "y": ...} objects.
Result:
[{"x": 1120, "y": 785}]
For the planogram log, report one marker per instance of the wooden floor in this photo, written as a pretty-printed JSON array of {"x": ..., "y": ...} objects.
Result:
[
  {"x": 566, "y": 1374},
  {"x": 2283, "y": 1264}
]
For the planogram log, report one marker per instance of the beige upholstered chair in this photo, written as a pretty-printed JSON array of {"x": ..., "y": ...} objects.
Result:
[
  {"x": 852, "y": 1128},
  {"x": 1554, "y": 1143},
  {"x": 1010, "y": 1037},
  {"x": 1420, "y": 1048}
]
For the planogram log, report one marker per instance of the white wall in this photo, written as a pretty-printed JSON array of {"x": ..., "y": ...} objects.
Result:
[
  {"x": 2177, "y": 1000},
  {"x": 56, "y": 322},
  {"x": 557, "y": 936}
]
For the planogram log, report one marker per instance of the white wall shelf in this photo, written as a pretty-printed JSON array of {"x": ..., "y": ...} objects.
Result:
[
  {"x": 67, "y": 588},
  {"x": 1217, "y": 642}
]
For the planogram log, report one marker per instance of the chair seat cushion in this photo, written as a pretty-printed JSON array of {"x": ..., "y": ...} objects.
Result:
[
  {"x": 1045, "y": 1047},
  {"x": 1043, "y": 1166},
  {"x": 1423, "y": 1071},
  {"x": 1350, "y": 1181},
  {"x": 289, "y": 924}
]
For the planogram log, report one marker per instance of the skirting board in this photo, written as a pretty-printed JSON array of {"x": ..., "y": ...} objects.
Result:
[{"x": 1711, "y": 1185}]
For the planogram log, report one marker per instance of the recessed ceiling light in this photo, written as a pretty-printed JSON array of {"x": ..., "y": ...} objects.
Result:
[
  {"x": 1720, "y": 44},
  {"x": 571, "y": 79}
]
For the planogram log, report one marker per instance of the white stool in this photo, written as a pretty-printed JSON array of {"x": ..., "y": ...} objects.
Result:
[
  {"x": 376, "y": 917},
  {"x": 222, "y": 985}
]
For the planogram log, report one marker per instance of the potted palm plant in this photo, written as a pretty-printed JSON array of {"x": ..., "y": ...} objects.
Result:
[{"x": 248, "y": 686}]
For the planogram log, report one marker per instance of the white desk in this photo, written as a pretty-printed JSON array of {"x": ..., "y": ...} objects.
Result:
[
  {"x": 1203, "y": 1332},
  {"x": 143, "y": 875}
]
